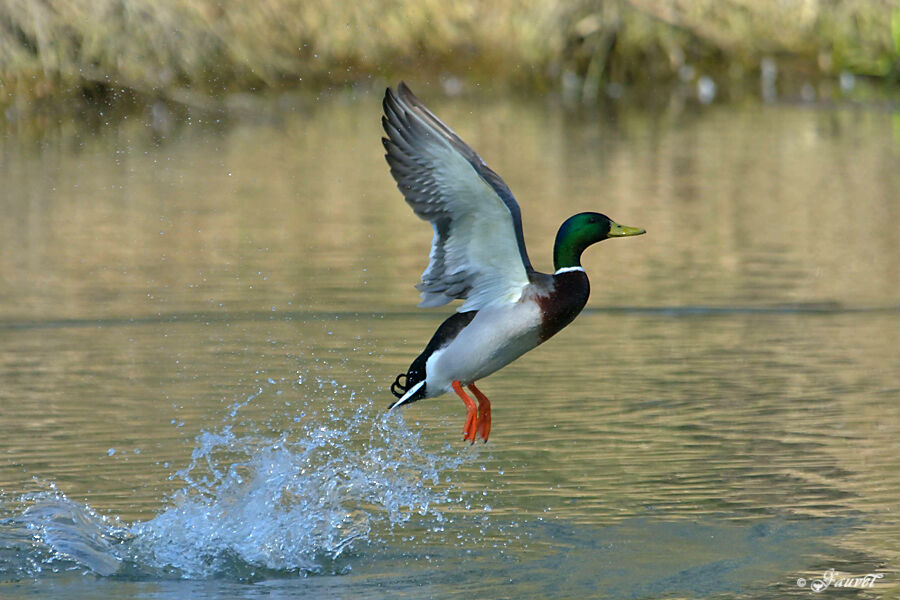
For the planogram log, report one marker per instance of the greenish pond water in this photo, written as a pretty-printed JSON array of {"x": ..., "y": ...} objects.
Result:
[{"x": 199, "y": 323}]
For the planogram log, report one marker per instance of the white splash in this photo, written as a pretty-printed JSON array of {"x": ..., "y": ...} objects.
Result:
[{"x": 293, "y": 501}]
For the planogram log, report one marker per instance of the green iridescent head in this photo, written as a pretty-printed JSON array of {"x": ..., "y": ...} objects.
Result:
[{"x": 580, "y": 231}]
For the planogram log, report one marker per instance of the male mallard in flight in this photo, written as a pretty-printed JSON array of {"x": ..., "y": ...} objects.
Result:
[{"x": 478, "y": 255}]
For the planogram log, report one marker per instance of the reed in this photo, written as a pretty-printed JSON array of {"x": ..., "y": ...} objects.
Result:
[{"x": 195, "y": 51}]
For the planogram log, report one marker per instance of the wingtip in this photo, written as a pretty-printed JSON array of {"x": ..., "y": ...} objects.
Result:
[
  {"x": 402, "y": 90},
  {"x": 406, "y": 95},
  {"x": 399, "y": 96}
]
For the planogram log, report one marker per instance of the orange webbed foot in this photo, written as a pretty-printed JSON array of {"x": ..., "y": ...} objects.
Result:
[{"x": 484, "y": 413}]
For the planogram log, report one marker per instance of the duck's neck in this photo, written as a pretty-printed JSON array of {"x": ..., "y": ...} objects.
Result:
[{"x": 567, "y": 253}]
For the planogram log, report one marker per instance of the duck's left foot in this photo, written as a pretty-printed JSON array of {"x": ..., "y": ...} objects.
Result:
[
  {"x": 471, "y": 412},
  {"x": 484, "y": 413},
  {"x": 478, "y": 419}
]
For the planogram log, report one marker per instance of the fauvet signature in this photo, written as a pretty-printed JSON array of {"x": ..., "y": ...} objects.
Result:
[{"x": 832, "y": 578}]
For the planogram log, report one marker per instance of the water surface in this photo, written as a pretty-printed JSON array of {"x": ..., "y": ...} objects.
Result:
[{"x": 199, "y": 321}]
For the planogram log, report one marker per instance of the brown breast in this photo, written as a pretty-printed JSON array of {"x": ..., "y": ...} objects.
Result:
[{"x": 561, "y": 300}]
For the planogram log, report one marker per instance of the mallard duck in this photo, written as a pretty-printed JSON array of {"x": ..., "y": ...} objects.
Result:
[{"x": 478, "y": 255}]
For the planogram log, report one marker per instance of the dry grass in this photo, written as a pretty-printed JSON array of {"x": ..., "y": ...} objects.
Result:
[
  {"x": 192, "y": 51},
  {"x": 858, "y": 36}
]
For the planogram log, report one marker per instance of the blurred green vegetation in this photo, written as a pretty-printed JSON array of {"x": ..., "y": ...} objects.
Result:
[{"x": 198, "y": 51}]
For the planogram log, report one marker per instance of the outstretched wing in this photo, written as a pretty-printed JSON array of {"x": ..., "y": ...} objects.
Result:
[{"x": 478, "y": 251}]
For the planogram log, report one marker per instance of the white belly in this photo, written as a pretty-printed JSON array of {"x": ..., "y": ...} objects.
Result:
[{"x": 508, "y": 332}]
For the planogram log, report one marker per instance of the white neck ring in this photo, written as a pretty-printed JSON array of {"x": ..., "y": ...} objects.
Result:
[{"x": 568, "y": 269}]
